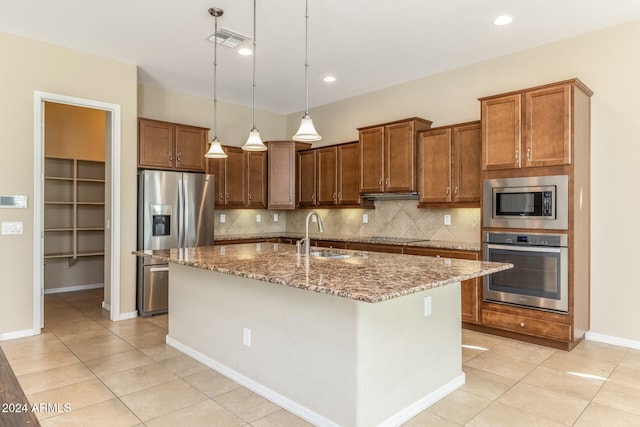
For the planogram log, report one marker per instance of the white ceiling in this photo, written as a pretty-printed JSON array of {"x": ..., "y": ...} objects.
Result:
[{"x": 366, "y": 44}]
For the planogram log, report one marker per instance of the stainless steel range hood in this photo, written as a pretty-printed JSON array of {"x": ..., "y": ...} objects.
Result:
[{"x": 390, "y": 196}]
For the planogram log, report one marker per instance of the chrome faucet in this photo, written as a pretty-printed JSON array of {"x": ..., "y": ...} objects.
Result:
[{"x": 305, "y": 240}]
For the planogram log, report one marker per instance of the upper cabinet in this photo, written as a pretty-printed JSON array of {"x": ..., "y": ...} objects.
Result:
[
  {"x": 282, "y": 161},
  {"x": 388, "y": 156},
  {"x": 240, "y": 179},
  {"x": 449, "y": 166},
  {"x": 167, "y": 146},
  {"x": 329, "y": 177},
  {"x": 530, "y": 128}
]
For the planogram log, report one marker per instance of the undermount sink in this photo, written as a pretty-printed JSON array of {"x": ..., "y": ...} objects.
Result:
[{"x": 330, "y": 254}]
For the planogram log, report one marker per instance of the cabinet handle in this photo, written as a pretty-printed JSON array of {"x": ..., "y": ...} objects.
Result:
[
  {"x": 387, "y": 182},
  {"x": 517, "y": 156},
  {"x": 339, "y": 195},
  {"x": 528, "y": 154},
  {"x": 313, "y": 197},
  {"x": 220, "y": 197},
  {"x": 179, "y": 155},
  {"x": 380, "y": 182},
  {"x": 455, "y": 191},
  {"x": 448, "y": 189},
  {"x": 170, "y": 155},
  {"x": 334, "y": 195},
  {"x": 227, "y": 195},
  {"x": 249, "y": 196},
  {"x": 522, "y": 325}
]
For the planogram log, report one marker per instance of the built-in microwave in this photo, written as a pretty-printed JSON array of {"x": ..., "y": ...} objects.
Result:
[{"x": 537, "y": 202}]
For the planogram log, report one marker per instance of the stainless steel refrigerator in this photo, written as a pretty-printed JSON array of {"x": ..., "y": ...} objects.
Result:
[{"x": 175, "y": 210}]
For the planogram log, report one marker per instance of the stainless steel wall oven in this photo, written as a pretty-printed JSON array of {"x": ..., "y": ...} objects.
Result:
[{"x": 540, "y": 277}]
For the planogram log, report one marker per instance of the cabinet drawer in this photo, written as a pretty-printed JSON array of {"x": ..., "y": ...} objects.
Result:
[
  {"x": 442, "y": 253},
  {"x": 527, "y": 325}
]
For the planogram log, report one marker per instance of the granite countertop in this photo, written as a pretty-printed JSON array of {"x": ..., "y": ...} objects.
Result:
[
  {"x": 396, "y": 241},
  {"x": 364, "y": 276}
]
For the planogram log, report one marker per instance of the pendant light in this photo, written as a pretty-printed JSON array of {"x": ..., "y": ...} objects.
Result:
[
  {"x": 215, "y": 151},
  {"x": 254, "y": 142},
  {"x": 306, "y": 131}
]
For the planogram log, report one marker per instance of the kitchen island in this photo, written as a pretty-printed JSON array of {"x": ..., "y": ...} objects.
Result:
[{"x": 348, "y": 339}]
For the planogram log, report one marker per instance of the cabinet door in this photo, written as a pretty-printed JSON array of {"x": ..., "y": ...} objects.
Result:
[
  {"x": 501, "y": 124},
  {"x": 281, "y": 182},
  {"x": 547, "y": 126},
  {"x": 256, "y": 164},
  {"x": 371, "y": 160},
  {"x": 467, "y": 148},
  {"x": 306, "y": 181},
  {"x": 216, "y": 167},
  {"x": 234, "y": 179},
  {"x": 190, "y": 148},
  {"x": 434, "y": 160},
  {"x": 327, "y": 175},
  {"x": 156, "y": 141},
  {"x": 400, "y": 154},
  {"x": 348, "y": 174}
]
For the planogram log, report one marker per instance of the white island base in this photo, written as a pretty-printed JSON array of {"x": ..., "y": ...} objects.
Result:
[{"x": 332, "y": 361}]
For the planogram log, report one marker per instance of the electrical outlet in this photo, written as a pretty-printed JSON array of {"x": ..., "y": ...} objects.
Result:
[
  {"x": 223, "y": 218},
  {"x": 447, "y": 220},
  {"x": 427, "y": 306},
  {"x": 246, "y": 337},
  {"x": 365, "y": 218},
  {"x": 258, "y": 217},
  {"x": 275, "y": 217},
  {"x": 314, "y": 219}
]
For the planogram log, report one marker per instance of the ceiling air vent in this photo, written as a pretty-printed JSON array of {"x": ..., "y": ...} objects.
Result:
[{"x": 228, "y": 38}]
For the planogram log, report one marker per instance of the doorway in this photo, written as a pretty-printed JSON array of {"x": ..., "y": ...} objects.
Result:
[{"x": 78, "y": 238}]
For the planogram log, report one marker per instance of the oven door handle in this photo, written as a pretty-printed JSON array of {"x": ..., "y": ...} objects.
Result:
[{"x": 523, "y": 248}]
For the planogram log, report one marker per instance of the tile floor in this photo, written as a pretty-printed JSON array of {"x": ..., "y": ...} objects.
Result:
[{"x": 123, "y": 374}]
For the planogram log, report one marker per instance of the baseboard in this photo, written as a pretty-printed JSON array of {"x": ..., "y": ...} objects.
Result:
[
  {"x": 305, "y": 413},
  {"x": 106, "y": 306},
  {"x": 608, "y": 339},
  {"x": 73, "y": 288},
  {"x": 18, "y": 334},
  {"x": 280, "y": 400},
  {"x": 412, "y": 410},
  {"x": 130, "y": 315}
]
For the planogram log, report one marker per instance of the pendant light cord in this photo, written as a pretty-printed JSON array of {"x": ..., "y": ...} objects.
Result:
[
  {"x": 306, "y": 59},
  {"x": 215, "y": 69},
  {"x": 254, "y": 64}
]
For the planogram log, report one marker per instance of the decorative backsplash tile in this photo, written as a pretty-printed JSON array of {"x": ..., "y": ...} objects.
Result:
[{"x": 390, "y": 218}]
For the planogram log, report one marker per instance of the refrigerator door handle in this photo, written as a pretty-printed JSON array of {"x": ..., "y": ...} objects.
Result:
[{"x": 180, "y": 212}]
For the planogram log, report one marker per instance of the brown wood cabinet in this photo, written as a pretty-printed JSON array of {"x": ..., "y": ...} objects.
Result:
[
  {"x": 530, "y": 128},
  {"x": 470, "y": 290},
  {"x": 449, "y": 166},
  {"x": 388, "y": 156},
  {"x": 282, "y": 159},
  {"x": 306, "y": 178},
  {"x": 335, "y": 181},
  {"x": 167, "y": 146},
  {"x": 240, "y": 179}
]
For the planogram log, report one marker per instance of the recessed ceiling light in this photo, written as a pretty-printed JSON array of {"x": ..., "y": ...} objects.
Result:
[
  {"x": 329, "y": 79},
  {"x": 502, "y": 20}
]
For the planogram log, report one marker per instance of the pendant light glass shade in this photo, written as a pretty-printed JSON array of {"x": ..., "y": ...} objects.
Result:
[
  {"x": 254, "y": 142},
  {"x": 306, "y": 132},
  {"x": 215, "y": 151}
]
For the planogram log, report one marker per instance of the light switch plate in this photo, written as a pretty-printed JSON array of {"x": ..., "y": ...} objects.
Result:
[
  {"x": 447, "y": 220},
  {"x": 12, "y": 227},
  {"x": 223, "y": 217},
  {"x": 365, "y": 218}
]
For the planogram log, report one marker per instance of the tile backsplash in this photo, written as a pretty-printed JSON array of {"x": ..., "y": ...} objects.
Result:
[{"x": 390, "y": 218}]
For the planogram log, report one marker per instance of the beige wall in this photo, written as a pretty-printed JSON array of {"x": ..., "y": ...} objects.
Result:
[
  {"x": 234, "y": 121},
  {"x": 30, "y": 66},
  {"x": 608, "y": 62}
]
